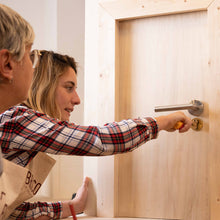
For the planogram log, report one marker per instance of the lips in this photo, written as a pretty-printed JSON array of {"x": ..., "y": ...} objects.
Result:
[{"x": 69, "y": 110}]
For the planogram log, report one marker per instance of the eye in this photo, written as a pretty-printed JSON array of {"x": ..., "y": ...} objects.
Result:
[{"x": 69, "y": 88}]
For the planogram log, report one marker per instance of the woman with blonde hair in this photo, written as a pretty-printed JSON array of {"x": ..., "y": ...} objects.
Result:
[
  {"x": 53, "y": 94},
  {"x": 44, "y": 93}
]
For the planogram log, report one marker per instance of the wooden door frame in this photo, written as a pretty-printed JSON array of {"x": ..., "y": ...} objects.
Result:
[{"x": 111, "y": 12}]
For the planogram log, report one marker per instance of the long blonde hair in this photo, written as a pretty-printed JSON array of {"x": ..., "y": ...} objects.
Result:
[{"x": 45, "y": 80}]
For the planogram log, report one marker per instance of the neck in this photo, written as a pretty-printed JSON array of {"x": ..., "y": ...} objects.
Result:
[
  {"x": 6, "y": 100},
  {"x": 4, "y": 107}
]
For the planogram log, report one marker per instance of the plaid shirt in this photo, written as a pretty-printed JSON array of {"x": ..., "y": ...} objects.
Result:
[
  {"x": 34, "y": 210},
  {"x": 24, "y": 132}
]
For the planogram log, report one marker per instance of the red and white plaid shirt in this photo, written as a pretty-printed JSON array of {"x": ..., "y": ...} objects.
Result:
[{"x": 24, "y": 132}]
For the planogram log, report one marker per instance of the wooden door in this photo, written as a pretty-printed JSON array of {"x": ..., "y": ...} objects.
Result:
[
  {"x": 162, "y": 56},
  {"x": 164, "y": 61}
]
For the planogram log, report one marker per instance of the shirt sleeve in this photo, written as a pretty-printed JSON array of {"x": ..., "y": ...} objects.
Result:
[
  {"x": 34, "y": 210},
  {"x": 24, "y": 132}
]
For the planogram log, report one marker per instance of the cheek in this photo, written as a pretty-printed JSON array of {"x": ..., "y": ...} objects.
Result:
[
  {"x": 29, "y": 70},
  {"x": 59, "y": 98},
  {"x": 31, "y": 74}
]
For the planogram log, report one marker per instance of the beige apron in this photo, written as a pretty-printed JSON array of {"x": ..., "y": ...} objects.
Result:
[{"x": 18, "y": 184}]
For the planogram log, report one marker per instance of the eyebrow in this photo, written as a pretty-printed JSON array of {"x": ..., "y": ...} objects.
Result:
[{"x": 71, "y": 82}]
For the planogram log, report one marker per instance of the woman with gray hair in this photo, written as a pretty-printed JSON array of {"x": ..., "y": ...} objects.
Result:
[
  {"x": 16, "y": 72},
  {"x": 16, "y": 39}
]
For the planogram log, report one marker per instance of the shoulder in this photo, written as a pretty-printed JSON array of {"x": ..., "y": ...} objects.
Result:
[{"x": 19, "y": 111}]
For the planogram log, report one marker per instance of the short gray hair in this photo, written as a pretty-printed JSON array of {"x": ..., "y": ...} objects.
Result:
[{"x": 15, "y": 32}]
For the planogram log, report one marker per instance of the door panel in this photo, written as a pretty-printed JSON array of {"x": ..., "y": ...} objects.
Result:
[{"x": 164, "y": 61}]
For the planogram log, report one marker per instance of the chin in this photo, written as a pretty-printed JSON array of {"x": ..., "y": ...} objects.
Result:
[{"x": 65, "y": 119}]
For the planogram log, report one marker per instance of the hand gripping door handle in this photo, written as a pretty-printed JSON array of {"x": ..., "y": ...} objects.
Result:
[{"x": 195, "y": 107}]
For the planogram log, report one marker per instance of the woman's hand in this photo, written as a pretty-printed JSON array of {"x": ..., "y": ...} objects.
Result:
[{"x": 169, "y": 122}]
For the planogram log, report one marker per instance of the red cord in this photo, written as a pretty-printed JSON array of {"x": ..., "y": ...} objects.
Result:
[{"x": 72, "y": 212}]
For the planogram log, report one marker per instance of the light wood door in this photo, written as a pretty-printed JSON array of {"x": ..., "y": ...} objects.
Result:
[{"x": 169, "y": 60}]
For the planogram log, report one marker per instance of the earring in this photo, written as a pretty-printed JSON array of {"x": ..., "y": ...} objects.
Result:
[
  {"x": 1, "y": 79},
  {"x": 11, "y": 80}
]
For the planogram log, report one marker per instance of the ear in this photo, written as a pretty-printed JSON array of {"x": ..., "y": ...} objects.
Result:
[{"x": 5, "y": 65}]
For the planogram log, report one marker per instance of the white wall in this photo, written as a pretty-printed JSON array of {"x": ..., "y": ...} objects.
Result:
[
  {"x": 70, "y": 40},
  {"x": 42, "y": 15},
  {"x": 59, "y": 26},
  {"x": 91, "y": 89}
]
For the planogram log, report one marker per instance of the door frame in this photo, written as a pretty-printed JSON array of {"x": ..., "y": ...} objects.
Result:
[{"x": 106, "y": 35}]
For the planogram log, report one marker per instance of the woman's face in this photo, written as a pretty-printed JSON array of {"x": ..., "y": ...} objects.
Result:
[{"x": 65, "y": 94}]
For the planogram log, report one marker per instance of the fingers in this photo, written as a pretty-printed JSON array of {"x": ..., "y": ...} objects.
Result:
[
  {"x": 170, "y": 122},
  {"x": 86, "y": 181},
  {"x": 186, "y": 126},
  {"x": 183, "y": 124},
  {"x": 85, "y": 184}
]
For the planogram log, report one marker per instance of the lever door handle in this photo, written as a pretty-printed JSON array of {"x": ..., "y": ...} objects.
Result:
[{"x": 195, "y": 107}]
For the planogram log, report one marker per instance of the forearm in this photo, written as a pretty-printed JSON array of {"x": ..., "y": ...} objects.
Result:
[
  {"x": 36, "y": 210},
  {"x": 66, "y": 212},
  {"x": 69, "y": 139},
  {"x": 66, "y": 209}
]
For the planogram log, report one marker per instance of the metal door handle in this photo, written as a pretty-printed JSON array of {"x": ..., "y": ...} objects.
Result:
[{"x": 195, "y": 107}]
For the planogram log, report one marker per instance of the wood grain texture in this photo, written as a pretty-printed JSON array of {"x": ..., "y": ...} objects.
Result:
[
  {"x": 131, "y": 9},
  {"x": 160, "y": 61},
  {"x": 81, "y": 217},
  {"x": 106, "y": 167},
  {"x": 213, "y": 81},
  {"x": 100, "y": 102},
  {"x": 164, "y": 61}
]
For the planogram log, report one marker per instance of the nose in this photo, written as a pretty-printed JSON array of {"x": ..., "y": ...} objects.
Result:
[{"x": 75, "y": 98}]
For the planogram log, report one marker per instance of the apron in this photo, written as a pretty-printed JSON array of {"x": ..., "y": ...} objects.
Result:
[{"x": 18, "y": 183}]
